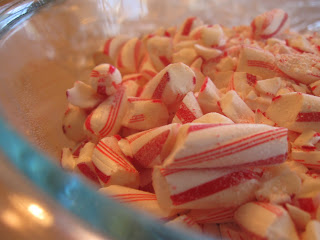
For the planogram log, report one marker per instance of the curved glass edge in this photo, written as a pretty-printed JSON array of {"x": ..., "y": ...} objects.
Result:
[{"x": 105, "y": 215}]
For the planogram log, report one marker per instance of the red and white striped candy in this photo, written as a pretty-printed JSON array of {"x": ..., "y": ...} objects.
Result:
[
  {"x": 243, "y": 83},
  {"x": 256, "y": 103},
  {"x": 136, "y": 77},
  {"x": 228, "y": 146},
  {"x": 184, "y": 222},
  {"x": 146, "y": 68},
  {"x": 67, "y": 161},
  {"x": 215, "y": 215},
  {"x": 150, "y": 147},
  {"x": 299, "y": 112},
  {"x": 83, "y": 95},
  {"x": 144, "y": 114},
  {"x": 265, "y": 221},
  {"x": 310, "y": 157},
  {"x": 72, "y": 123},
  {"x": 188, "y": 111},
  {"x": 84, "y": 164},
  {"x": 270, "y": 24},
  {"x": 260, "y": 118},
  {"x": 105, "y": 78},
  {"x": 130, "y": 56},
  {"x": 269, "y": 87},
  {"x": 160, "y": 50},
  {"x": 186, "y": 28},
  {"x": 133, "y": 89},
  {"x": 185, "y": 55},
  {"x": 113, "y": 45},
  {"x": 257, "y": 62},
  {"x": 207, "y": 53},
  {"x": 307, "y": 139},
  {"x": 144, "y": 201},
  {"x": 298, "y": 216},
  {"x": 111, "y": 166},
  {"x": 301, "y": 44},
  {"x": 312, "y": 231},
  {"x": 213, "y": 118},
  {"x": 232, "y": 231},
  {"x": 171, "y": 84},
  {"x": 235, "y": 108},
  {"x": 209, "y": 187},
  {"x": 304, "y": 68},
  {"x": 106, "y": 119},
  {"x": 209, "y": 96},
  {"x": 315, "y": 88},
  {"x": 145, "y": 175},
  {"x": 200, "y": 78},
  {"x": 210, "y": 36}
]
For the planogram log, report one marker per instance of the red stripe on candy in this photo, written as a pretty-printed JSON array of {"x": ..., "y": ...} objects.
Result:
[
  {"x": 308, "y": 117},
  {"x": 184, "y": 114},
  {"x": 86, "y": 171},
  {"x": 161, "y": 86}
]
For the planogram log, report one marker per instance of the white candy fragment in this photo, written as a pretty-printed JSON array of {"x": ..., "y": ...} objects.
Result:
[
  {"x": 266, "y": 221},
  {"x": 213, "y": 118},
  {"x": 210, "y": 36},
  {"x": 186, "y": 28},
  {"x": 160, "y": 50},
  {"x": 315, "y": 88},
  {"x": 113, "y": 45},
  {"x": 260, "y": 118},
  {"x": 207, "y": 53},
  {"x": 312, "y": 231},
  {"x": 185, "y": 55},
  {"x": 299, "y": 112},
  {"x": 209, "y": 96},
  {"x": 67, "y": 161},
  {"x": 269, "y": 86},
  {"x": 298, "y": 216},
  {"x": 146, "y": 68},
  {"x": 72, "y": 123},
  {"x": 308, "y": 199}
]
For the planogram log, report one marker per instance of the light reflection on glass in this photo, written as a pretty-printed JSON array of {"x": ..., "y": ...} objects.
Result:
[
  {"x": 11, "y": 219},
  {"x": 39, "y": 213}
]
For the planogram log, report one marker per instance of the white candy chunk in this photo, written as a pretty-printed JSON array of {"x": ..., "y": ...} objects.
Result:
[
  {"x": 171, "y": 84},
  {"x": 256, "y": 103},
  {"x": 144, "y": 114},
  {"x": 184, "y": 222},
  {"x": 266, "y": 221},
  {"x": 211, "y": 230},
  {"x": 215, "y": 215},
  {"x": 113, "y": 45},
  {"x": 315, "y": 88},
  {"x": 188, "y": 111},
  {"x": 235, "y": 108},
  {"x": 227, "y": 64},
  {"x": 308, "y": 199},
  {"x": 228, "y": 145},
  {"x": 111, "y": 166},
  {"x": 298, "y": 216},
  {"x": 307, "y": 138},
  {"x": 146, "y": 68},
  {"x": 301, "y": 67},
  {"x": 257, "y": 62},
  {"x": 296, "y": 167},
  {"x": 269, "y": 87},
  {"x": 299, "y": 112},
  {"x": 67, "y": 161},
  {"x": 200, "y": 78},
  {"x": 232, "y": 231},
  {"x": 185, "y": 55},
  {"x": 243, "y": 83},
  {"x": 186, "y": 28},
  {"x": 106, "y": 119},
  {"x": 160, "y": 50},
  {"x": 207, "y": 53},
  {"x": 312, "y": 231},
  {"x": 270, "y": 24},
  {"x": 209, "y": 187},
  {"x": 130, "y": 56},
  {"x": 72, "y": 123},
  {"x": 133, "y": 89},
  {"x": 136, "y": 77},
  {"x": 151, "y": 147},
  {"x": 279, "y": 189},
  {"x": 84, "y": 163},
  {"x": 308, "y": 157},
  {"x": 184, "y": 44},
  {"x": 209, "y": 96},
  {"x": 140, "y": 200},
  {"x": 83, "y": 95},
  {"x": 213, "y": 118},
  {"x": 299, "y": 88},
  {"x": 222, "y": 79},
  {"x": 212, "y": 36},
  {"x": 301, "y": 44},
  {"x": 105, "y": 78},
  {"x": 260, "y": 118}
]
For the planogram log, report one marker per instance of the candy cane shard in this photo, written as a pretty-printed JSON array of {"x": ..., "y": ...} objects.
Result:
[
  {"x": 257, "y": 62},
  {"x": 298, "y": 216},
  {"x": 209, "y": 187},
  {"x": 184, "y": 222},
  {"x": 185, "y": 55},
  {"x": 144, "y": 114},
  {"x": 111, "y": 165},
  {"x": 301, "y": 44},
  {"x": 227, "y": 64},
  {"x": 315, "y": 88},
  {"x": 228, "y": 145},
  {"x": 186, "y": 28},
  {"x": 72, "y": 123},
  {"x": 200, "y": 78},
  {"x": 312, "y": 231},
  {"x": 133, "y": 89},
  {"x": 184, "y": 44},
  {"x": 308, "y": 157},
  {"x": 260, "y": 118},
  {"x": 256, "y": 103},
  {"x": 146, "y": 68},
  {"x": 188, "y": 111},
  {"x": 130, "y": 56},
  {"x": 171, "y": 84},
  {"x": 307, "y": 139},
  {"x": 144, "y": 201},
  {"x": 67, "y": 161},
  {"x": 160, "y": 50},
  {"x": 232, "y": 231},
  {"x": 84, "y": 164},
  {"x": 212, "y": 36},
  {"x": 213, "y": 118},
  {"x": 265, "y": 221},
  {"x": 105, "y": 78},
  {"x": 243, "y": 83},
  {"x": 303, "y": 115},
  {"x": 83, "y": 95},
  {"x": 222, "y": 79},
  {"x": 208, "y": 97},
  {"x": 207, "y": 53},
  {"x": 215, "y": 215},
  {"x": 235, "y": 108},
  {"x": 301, "y": 67},
  {"x": 269, "y": 87},
  {"x": 113, "y": 45},
  {"x": 270, "y": 24},
  {"x": 106, "y": 119},
  {"x": 150, "y": 147}
]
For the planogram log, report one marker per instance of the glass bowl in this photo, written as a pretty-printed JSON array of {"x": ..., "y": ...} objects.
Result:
[{"x": 46, "y": 45}]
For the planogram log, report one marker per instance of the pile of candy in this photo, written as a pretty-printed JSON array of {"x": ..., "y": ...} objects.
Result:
[{"x": 212, "y": 128}]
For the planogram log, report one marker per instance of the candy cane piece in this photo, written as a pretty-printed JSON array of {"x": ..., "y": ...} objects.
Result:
[
  {"x": 72, "y": 123},
  {"x": 67, "y": 161},
  {"x": 315, "y": 88},
  {"x": 160, "y": 50},
  {"x": 298, "y": 216},
  {"x": 243, "y": 83},
  {"x": 185, "y": 55},
  {"x": 269, "y": 86},
  {"x": 113, "y": 45},
  {"x": 184, "y": 222},
  {"x": 213, "y": 118},
  {"x": 209, "y": 96},
  {"x": 215, "y": 215},
  {"x": 146, "y": 68},
  {"x": 207, "y": 53},
  {"x": 312, "y": 231},
  {"x": 133, "y": 89}
]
